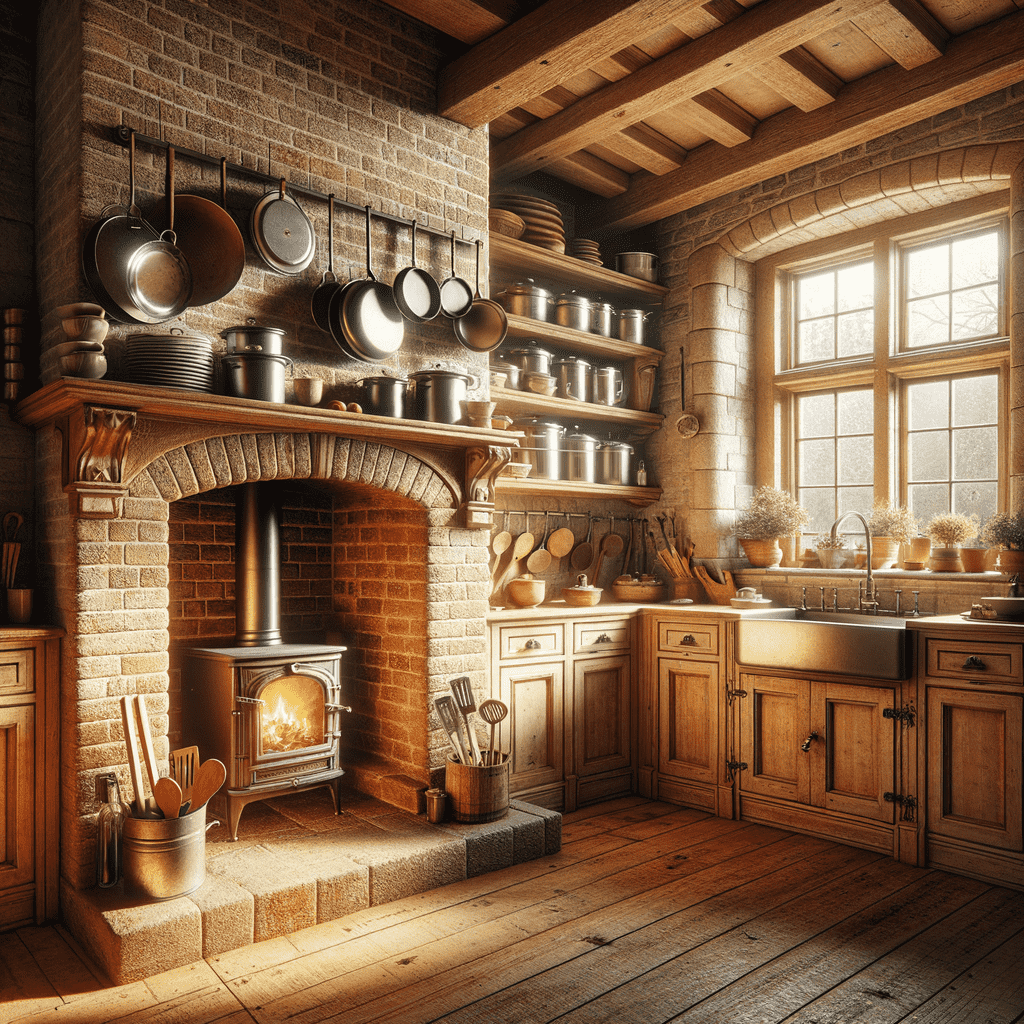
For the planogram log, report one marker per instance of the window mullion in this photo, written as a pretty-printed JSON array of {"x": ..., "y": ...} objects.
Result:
[{"x": 884, "y": 385}]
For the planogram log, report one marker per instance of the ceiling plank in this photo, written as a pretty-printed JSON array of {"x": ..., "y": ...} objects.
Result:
[
  {"x": 977, "y": 63},
  {"x": 592, "y": 173},
  {"x": 542, "y": 49},
  {"x": 801, "y": 78},
  {"x": 465, "y": 20},
  {"x": 905, "y": 30},
  {"x": 771, "y": 28}
]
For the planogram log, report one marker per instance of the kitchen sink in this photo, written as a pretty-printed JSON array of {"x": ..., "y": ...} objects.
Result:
[{"x": 841, "y": 643}]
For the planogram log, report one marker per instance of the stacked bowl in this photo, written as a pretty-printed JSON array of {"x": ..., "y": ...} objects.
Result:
[{"x": 543, "y": 219}]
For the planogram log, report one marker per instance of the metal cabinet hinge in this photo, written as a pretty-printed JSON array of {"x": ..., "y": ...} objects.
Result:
[
  {"x": 905, "y": 715},
  {"x": 908, "y": 803},
  {"x": 733, "y": 694}
]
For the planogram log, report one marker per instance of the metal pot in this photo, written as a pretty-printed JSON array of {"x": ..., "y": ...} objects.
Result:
[
  {"x": 385, "y": 396},
  {"x": 438, "y": 395},
  {"x": 511, "y": 371},
  {"x": 608, "y": 386},
  {"x": 601, "y": 316},
  {"x": 524, "y": 298},
  {"x": 531, "y": 359},
  {"x": 631, "y": 325},
  {"x": 252, "y": 338},
  {"x": 643, "y": 265},
  {"x": 258, "y": 375},
  {"x": 579, "y": 457},
  {"x": 572, "y": 310},
  {"x": 572, "y": 378},
  {"x": 614, "y": 463},
  {"x": 542, "y": 446}
]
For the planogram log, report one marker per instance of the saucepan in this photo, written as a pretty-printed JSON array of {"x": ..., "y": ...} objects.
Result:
[
  {"x": 484, "y": 326},
  {"x": 418, "y": 295}
]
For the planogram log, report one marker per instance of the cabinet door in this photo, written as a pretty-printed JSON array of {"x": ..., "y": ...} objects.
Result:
[
  {"x": 774, "y": 726},
  {"x": 17, "y": 804},
  {"x": 857, "y": 744},
  {"x": 601, "y": 718},
  {"x": 534, "y": 695},
  {"x": 974, "y": 766},
  {"x": 689, "y": 700}
]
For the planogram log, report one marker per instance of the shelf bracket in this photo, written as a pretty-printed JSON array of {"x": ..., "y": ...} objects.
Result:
[
  {"x": 482, "y": 468},
  {"x": 94, "y": 445}
]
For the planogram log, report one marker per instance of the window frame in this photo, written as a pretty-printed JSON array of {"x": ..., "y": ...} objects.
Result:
[{"x": 888, "y": 367}]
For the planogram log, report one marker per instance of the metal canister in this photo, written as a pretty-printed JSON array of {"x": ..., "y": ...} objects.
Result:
[
  {"x": 579, "y": 457},
  {"x": 251, "y": 337},
  {"x": 542, "y": 446},
  {"x": 602, "y": 315},
  {"x": 511, "y": 371},
  {"x": 524, "y": 298},
  {"x": 631, "y": 325},
  {"x": 572, "y": 378},
  {"x": 573, "y": 310},
  {"x": 531, "y": 359},
  {"x": 608, "y": 386},
  {"x": 614, "y": 463}
]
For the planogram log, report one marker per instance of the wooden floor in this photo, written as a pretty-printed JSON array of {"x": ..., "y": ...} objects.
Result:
[{"x": 650, "y": 913}]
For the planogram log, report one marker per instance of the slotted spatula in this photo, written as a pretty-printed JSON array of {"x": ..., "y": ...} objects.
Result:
[
  {"x": 466, "y": 702},
  {"x": 184, "y": 762},
  {"x": 448, "y": 713},
  {"x": 493, "y": 712}
]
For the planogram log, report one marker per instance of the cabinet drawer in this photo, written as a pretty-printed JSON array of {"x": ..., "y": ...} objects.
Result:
[
  {"x": 17, "y": 672},
  {"x": 682, "y": 637},
  {"x": 534, "y": 641},
  {"x": 973, "y": 662},
  {"x": 597, "y": 637}
]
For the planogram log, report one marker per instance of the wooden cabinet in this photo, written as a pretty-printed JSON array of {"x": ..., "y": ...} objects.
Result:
[
  {"x": 29, "y": 664},
  {"x": 568, "y": 684},
  {"x": 818, "y": 756},
  {"x": 972, "y": 694}
]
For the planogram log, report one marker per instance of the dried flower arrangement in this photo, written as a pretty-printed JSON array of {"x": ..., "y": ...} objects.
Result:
[
  {"x": 889, "y": 520},
  {"x": 772, "y": 513},
  {"x": 828, "y": 543},
  {"x": 1005, "y": 529},
  {"x": 952, "y": 529}
]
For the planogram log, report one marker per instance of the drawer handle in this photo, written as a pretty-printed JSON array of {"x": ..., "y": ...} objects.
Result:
[
  {"x": 688, "y": 641},
  {"x": 604, "y": 638},
  {"x": 533, "y": 645},
  {"x": 974, "y": 664}
]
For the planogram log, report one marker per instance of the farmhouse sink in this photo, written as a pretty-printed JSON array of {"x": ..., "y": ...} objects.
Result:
[{"x": 843, "y": 643}]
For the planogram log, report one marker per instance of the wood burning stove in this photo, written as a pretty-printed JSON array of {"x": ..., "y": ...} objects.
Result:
[{"x": 270, "y": 711}]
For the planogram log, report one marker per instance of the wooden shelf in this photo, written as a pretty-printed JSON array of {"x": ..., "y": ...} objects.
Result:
[
  {"x": 579, "y": 342},
  {"x": 522, "y": 403},
  {"x": 641, "y": 497}
]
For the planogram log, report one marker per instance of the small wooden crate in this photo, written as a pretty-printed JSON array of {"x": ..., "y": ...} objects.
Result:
[{"x": 477, "y": 792}]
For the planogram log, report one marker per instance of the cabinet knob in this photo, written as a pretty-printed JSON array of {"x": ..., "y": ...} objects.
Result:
[
  {"x": 974, "y": 664},
  {"x": 806, "y": 745},
  {"x": 604, "y": 638},
  {"x": 533, "y": 645},
  {"x": 688, "y": 641}
]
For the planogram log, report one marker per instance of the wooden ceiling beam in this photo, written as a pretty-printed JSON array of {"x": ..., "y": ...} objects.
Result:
[
  {"x": 905, "y": 30},
  {"x": 767, "y": 30},
  {"x": 466, "y": 20},
  {"x": 977, "y": 63},
  {"x": 592, "y": 173},
  {"x": 542, "y": 49},
  {"x": 801, "y": 78}
]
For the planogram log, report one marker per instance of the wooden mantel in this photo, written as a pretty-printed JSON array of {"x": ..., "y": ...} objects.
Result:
[{"x": 112, "y": 430}]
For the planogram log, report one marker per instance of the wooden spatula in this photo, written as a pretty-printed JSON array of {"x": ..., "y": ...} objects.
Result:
[{"x": 184, "y": 762}]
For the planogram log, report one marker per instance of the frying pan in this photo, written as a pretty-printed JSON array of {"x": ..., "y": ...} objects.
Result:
[
  {"x": 418, "y": 295},
  {"x": 212, "y": 244},
  {"x": 282, "y": 233},
  {"x": 456, "y": 295},
  {"x": 157, "y": 275},
  {"x": 484, "y": 326},
  {"x": 109, "y": 246},
  {"x": 320, "y": 300},
  {"x": 371, "y": 321}
]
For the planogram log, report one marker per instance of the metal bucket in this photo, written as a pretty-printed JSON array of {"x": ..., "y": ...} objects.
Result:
[
  {"x": 165, "y": 857},
  {"x": 631, "y": 325},
  {"x": 438, "y": 395},
  {"x": 608, "y": 386},
  {"x": 614, "y": 463},
  {"x": 601, "y": 316}
]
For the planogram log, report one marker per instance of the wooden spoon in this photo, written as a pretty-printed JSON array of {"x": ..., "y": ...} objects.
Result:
[
  {"x": 540, "y": 558},
  {"x": 611, "y": 546},
  {"x": 523, "y": 546},
  {"x": 209, "y": 778},
  {"x": 500, "y": 541},
  {"x": 168, "y": 796},
  {"x": 561, "y": 541},
  {"x": 583, "y": 554}
]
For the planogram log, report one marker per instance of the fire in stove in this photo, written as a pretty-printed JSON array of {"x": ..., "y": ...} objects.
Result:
[{"x": 291, "y": 719}]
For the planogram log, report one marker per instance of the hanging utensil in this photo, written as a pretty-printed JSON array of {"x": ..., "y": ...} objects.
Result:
[
  {"x": 456, "y": 295},
  {"x": 282, "y": 233},
  {"x": 482, "y": 328},
  {"x": 448, "y": 714},
  {"x": 418, "y": 295},
  {"x": 539, "y": 558},
  {"x": 13, "y": 521},
  {"x": 583, "y": 554},
  {"x": 493, "y": 712},
  {"x": 462, "y": 690},
  {"x": 610, "y": 546},
  {"x": 561, "y": 542},
  {"x": 501, "y": 541},
  {"x": 320, "y": 300},
  {"x": 522, "y": 547}
]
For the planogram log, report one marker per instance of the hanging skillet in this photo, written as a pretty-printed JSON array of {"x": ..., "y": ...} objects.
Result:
[
  {"x": 416, "y": 292},
  {"x": 320, "y": 300},
  {"x": 484, "y": 327},
  {"x": 456, "y": 295},
  {"x": 158, "y": 277},
  {"x": 372, "y": 323},
  {"x": 282, "y": 233},
  {"x": 209, "y": 237},
  {"x": 109, "y": 246}
]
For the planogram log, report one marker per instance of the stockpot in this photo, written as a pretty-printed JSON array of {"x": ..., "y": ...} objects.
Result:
[
  {"x": 631, "y": 325},
  {"x": 250, "y": 337},
  {"x": 385, "y": 396},
  {"x": 601, "y": 316},
  {"x": 572, "y": 310},
  {"x": 542, "y": 446},
  {"x": 531, "y": 359},
  {"x": 438, "y": 395},
  {"x": 614, "y": 463},
  {"x": 511, "y": 371},
  {"x": 608, "y": 386},
  {"x": 259, "y": 375},
  {"x": 579, "y": 457},
  {"x": 524, "y": 298},
  {"x": 572, "y": 378}
]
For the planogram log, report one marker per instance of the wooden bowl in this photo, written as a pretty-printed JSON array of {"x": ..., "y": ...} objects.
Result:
[
  {"x": 638, "y": 592},
  {"x": 505, "y": 222},
  {"x": 525, "y": 592},
  {"x": 582, "y": 597}
]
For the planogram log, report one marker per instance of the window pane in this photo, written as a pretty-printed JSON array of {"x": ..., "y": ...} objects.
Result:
[
  {"x": 856, "y": 334},
  {"x": 928, "y": 322},
  {"x": 928, "y": 405},
  {"x": 816, "y": 295},
  {"x": 928, "y": 270},
  {"x": 817, "y": 415},
  {"x": 929, "y": 456},
  {"x": 975, "y": 400},
  {"x": 835, "y": 313},
  {"x": 856, "y": 460},
  {"x": 855, "y": 409},
  {"x": 855, "y": 499},
  {"x": 975, "y": 450},
  {"x": 820, "y": 503},
  {"x": 928, "y": 500},
  {"x": 980, "y": 499},
  {"x": 975, "y": 313},
  {"x": 856, "y": 287},
  {"x": 975, "y": 260},
  {"x": 816, "y": 341},
  {"x": 817, "y": 464}
]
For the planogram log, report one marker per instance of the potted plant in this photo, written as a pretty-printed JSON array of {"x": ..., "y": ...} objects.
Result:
[
  {"x": 949, "y": 530},
  {"x": 831, "y": 552},
  {"x": 890, "y": 526},
  {"x": 1005, "y": 530},
  {"x": 772, "y": 514}
]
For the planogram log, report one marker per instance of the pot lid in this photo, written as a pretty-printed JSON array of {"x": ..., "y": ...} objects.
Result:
[
  {"x": 529, "y": 350},
  {"x": 572, "y": 299},
  {"x": 526, "y": 287},
  {"x": 617, "y": 446},
  {"x": 383, "y": 380},
  {"x": 440, "y": 374},
  {"x": 251, "y": 328},
  {"x": 570, "y": 360},
  {"x": 582, "y": 584}
]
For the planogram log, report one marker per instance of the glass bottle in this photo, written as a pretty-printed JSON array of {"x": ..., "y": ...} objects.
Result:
[{"x": 108, "y": 839}]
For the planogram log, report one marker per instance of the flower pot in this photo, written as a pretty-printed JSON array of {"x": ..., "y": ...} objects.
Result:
[
  {"x": 762, "y": 554},
  {"x": 790, "y": 550},
  {"x": 832, "y": 558},
  {"x": 884, "y": 551},
  {"x": 974, "y": 559},
  {"x": 945, "y": 560},
  {"x": 920, "y": 549},
  {"x": 1011, "y": 561}
]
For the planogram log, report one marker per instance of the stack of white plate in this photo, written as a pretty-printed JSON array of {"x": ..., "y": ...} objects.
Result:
[
  {"x": 171, "y": 361},
  {"x": 587, "y": 250},
  {"x": 543, "y": 219}
]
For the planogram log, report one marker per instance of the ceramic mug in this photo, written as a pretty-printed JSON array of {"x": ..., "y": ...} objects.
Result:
[
  {"x": 308, "y": 390},
  {"x": 19, "y": 605}
]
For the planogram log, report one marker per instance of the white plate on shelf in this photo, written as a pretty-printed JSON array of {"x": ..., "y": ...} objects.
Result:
[{"x": 749, "y": 602}]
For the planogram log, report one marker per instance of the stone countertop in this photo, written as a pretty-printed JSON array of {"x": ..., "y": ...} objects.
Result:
[
  {"x": 1004, "y": 627},
  {"x": 561, "y": 610}
]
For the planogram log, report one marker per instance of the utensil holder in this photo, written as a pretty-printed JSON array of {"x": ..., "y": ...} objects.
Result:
[
  {"x": 477, "y": 793},
  {"x": 165, "y": 857}
]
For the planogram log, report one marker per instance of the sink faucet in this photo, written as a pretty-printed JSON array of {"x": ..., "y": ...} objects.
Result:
[{"x": 867, "y": 599}]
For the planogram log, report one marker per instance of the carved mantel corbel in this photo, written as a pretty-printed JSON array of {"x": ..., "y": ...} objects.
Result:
[
  {"x": 482, "y": 468},
  {"x": 94, "y": 443}
]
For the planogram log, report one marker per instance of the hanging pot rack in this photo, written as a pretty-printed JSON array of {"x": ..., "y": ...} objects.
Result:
[{"x": 123, "y": 135}]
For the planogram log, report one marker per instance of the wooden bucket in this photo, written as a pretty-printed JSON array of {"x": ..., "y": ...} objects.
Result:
[{"x": 477, "y": 792}]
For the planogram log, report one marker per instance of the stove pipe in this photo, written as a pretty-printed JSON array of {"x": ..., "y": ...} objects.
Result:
[{"x": 257, "y": 568}]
